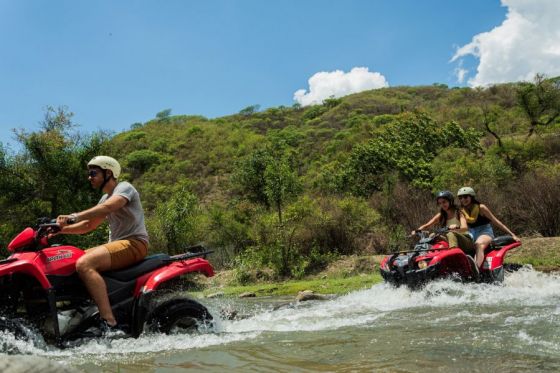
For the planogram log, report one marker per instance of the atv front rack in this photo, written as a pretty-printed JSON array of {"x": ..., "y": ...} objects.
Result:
[{"x": 417, "y": 251}]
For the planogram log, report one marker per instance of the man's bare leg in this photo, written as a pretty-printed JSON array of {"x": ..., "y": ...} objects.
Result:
[{"x": 97, "y": 260}]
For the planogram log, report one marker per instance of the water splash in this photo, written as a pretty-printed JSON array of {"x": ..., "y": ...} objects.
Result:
[{"x": 441, "y": 301}]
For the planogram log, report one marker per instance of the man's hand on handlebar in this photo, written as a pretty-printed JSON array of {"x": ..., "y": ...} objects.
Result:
[{"x": 64, "y": 220}]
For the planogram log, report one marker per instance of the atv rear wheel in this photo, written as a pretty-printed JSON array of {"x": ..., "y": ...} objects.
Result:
[{"x": 180, "y": 315}]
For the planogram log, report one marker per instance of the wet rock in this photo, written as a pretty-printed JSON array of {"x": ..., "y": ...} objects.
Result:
[
  {"x": 247, "y": 294},
  {"x": 309, "y": 295},
  {"x": 232, "y": 314},
  {"x": 217, "y": 294},
  {"x": 20, "y": 364},
  {"x": 283, "y": 306}
]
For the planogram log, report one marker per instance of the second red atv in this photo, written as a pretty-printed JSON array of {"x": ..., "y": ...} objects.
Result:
[
  {"x": 432, "y": 258},
  {"x": 40, "y": 290}
]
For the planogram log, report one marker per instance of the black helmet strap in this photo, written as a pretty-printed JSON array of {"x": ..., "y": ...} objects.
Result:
[{"x": 105, "y": 179}]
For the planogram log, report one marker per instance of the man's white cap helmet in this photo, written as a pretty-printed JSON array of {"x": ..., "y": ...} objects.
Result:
[{"x": 106, "y": 163}]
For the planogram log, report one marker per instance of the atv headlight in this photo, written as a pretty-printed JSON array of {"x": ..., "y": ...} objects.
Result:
[{"x": 422, "y": 264}]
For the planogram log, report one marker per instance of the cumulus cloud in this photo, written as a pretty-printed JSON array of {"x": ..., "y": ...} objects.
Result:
[
  {"x": 337, "y": 83},
  {"x": 526, "y": 43}
]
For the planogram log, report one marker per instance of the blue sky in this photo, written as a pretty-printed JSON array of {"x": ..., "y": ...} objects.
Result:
[{"x": 114, "y": 63}]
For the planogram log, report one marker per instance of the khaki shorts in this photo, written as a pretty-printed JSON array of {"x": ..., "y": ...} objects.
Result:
[{"x": 126, "y": 252}]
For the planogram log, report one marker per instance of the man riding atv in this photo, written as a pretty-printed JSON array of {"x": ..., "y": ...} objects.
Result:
[{"x": 128, "y": 238}]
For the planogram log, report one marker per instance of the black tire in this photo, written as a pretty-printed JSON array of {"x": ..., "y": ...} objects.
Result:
[{"x": 180, "y": 315}]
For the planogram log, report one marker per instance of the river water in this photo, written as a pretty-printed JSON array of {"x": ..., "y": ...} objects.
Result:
[{"x": 447, "y": 326}]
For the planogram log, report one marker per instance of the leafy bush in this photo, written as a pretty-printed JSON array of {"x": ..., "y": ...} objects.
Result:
[
  {"x": 408, "y": 145},
  {"x": 314, "y": 111},
  {"x": 228, "y": 230},
  {"x": 536, "y": 204},
  {"x": 177, "y": 221},
  {"x": 454, "y": 168},
  {"x": 313, "y": 232},
  {"x": 142, "y": 160},
  {"x": 135, "y": 136}
]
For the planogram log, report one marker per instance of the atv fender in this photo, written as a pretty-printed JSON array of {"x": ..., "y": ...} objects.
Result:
[
  {"x": 175, "y": 270},
  {"x": 25, "y": 267},
  {"x": 495, "y": 258}
]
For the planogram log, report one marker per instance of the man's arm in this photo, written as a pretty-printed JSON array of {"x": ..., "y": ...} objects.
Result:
[{"x": 87, "y": 220}]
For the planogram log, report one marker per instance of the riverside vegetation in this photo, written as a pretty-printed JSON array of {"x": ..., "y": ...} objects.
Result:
[{"x": 284, "y": 192}]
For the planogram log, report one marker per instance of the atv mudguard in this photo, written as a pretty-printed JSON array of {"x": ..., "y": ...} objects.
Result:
[
  {"x": 152, "y": 280},
  {"x": 175, "y": 270},
  {"x": 497, "y": 251},
  {"x": 25, "y": 267}
]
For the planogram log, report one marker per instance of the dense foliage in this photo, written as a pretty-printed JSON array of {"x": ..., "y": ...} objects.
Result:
[{"x": 280, "y": 192}]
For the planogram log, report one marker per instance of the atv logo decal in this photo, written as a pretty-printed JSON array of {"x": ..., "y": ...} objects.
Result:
[{"x": 62, "y": 254}]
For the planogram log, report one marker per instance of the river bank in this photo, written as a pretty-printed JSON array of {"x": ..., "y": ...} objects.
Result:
[{"x": 352, "y": 273}]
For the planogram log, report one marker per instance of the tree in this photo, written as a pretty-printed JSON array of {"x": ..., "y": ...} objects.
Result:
[
  {"x": 164, "y": 114},
  {"x": 141, "y": 160},
  {"x": 249, "y": 178},
  {"x": 540, "y": 101},
  {"x": 281, "y": 183},
  {"x": 249, "y": 110},
  {"x": 268, "y": 176},
  {"x": 406, "y": 147},
  {"x": 51, "y": 166},
  {"x": 177, "y": 219},
  {"x": 47, "y": 176}
]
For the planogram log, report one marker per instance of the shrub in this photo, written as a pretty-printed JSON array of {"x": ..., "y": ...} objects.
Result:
[
  {"x": 228, "y": 230},
  {"x": 314, "y": 231},
  {"x": 454, "y": 168},
  {"x": 406, "y": 146},
  {"x": 536, "y": 204},
  {"x": 177, "y": 221},
  {"x": 142, "y": 160},
  {"x": 402, "y": 205},
  {"x": 134, "y": 136}
]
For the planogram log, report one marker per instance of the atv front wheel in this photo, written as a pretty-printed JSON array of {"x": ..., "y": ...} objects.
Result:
[{"x": 180, "y": 315}]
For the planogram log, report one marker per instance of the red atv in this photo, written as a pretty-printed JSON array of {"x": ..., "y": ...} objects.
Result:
[
  {"x": 432, "y": 258},
  {"x": 40, "y": 289}
]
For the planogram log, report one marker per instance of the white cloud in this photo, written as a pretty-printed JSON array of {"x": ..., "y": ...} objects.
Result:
[
  {"x": 337, "y": 83},
  {"x": 526, "y": 43}
]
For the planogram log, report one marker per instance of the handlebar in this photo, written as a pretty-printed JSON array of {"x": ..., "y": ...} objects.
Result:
[
  {"x": 426, "y": 233},
  {"x": 48, "y": 225}
]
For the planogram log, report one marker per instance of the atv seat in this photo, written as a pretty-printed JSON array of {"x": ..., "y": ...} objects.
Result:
[
  {"x": 145, "y": 266},
  {"x": 501, "y": 241}
]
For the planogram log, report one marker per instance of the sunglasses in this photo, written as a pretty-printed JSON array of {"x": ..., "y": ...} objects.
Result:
[
  {"x": 92, "y": 173},
  {"x": 463, "y": 197}
]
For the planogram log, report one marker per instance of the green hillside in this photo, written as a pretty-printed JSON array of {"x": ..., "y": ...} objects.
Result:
[{"x": 290, "y": 188}]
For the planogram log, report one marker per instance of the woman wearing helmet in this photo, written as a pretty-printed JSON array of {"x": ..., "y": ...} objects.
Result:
[
  {"x": 128, "y": 238},
  {"x": 479, "y": 217},
  {"x": 450, "y": 217}
]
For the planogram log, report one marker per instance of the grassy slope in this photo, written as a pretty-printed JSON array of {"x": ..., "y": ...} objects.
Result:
[{"x": 205, "y": 150}]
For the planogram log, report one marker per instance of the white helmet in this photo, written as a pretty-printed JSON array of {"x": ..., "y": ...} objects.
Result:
[
  {"x": 466, "y": 191},
  {"x": 106, "y": 163}
]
